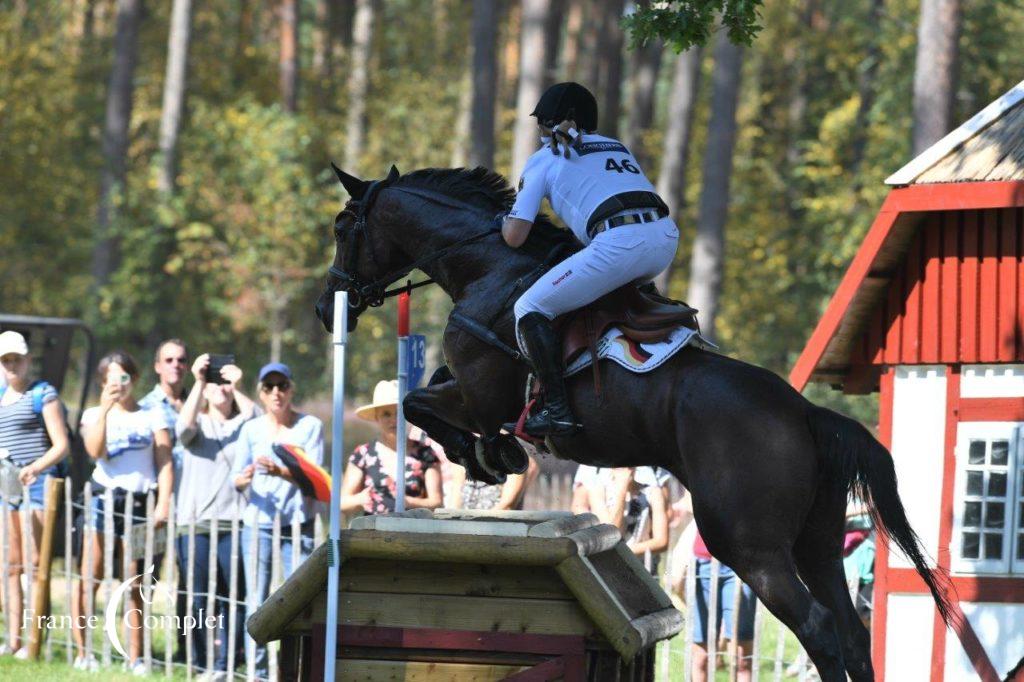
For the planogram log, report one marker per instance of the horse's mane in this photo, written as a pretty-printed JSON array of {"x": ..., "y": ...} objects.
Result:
[{"x": 490, "y": 191}]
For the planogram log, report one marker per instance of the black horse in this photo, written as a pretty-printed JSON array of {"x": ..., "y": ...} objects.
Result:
[{"x": 770, "y": 472}]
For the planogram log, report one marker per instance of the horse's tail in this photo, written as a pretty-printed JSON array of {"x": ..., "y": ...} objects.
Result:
[{"x": 864, "y": 468}]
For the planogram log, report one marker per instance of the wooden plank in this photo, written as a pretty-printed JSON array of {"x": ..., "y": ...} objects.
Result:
[
  {"x": 894, "y": 333},
  {"x": 931, "y": 289},
  {"x": 366, "y": 670},
  {"x": 1009, "y": 288},
  {"x": 465, "y": 548},
  {"x": 486, "y": 614},
  {"x": 988, "y": 308},
  {"x": 602, "y": 604},
  {"x": 473, "y": 580},
  {"x": 949, "y": 343},
  {"x": 969, "y": 272},
  {"x": 910, "y": 349}
]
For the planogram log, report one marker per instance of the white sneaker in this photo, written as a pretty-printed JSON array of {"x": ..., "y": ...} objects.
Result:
[
  {"x": 21, "y": 654},
  {"x": 5, "y": 650},
  {"x": 138, "y": 668},
  {"x": 86, "y": 663}
]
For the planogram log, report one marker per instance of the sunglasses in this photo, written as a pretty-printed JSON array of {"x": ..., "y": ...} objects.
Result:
[
  {"x": 279, "y": 385},
  {"x": 178, "y": 361}
]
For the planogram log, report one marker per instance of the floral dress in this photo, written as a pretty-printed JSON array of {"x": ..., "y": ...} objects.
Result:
[{"x": 381, "y": 484}]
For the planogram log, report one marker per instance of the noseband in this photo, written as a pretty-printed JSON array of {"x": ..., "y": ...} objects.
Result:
[{"x": 374, "y": 293}]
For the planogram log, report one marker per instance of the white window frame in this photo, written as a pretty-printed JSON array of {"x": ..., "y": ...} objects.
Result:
[{"x": 967, "y": 431}]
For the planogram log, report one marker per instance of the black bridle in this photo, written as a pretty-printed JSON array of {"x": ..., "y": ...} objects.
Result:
[{"x": 374, "y": 293}]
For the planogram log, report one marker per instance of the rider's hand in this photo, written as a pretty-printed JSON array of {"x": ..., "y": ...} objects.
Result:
[{"x": 199, "y": 368}]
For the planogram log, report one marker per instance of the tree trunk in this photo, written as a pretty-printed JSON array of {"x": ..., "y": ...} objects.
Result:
[
  {"x": 935, "y": 71},
  {"x": 178, "y": 40},
  {"x": 678, "y": 133},
  {"x": 552, "y": 41},
  {"x": 645, "y": 65},
  {"x": 289, "y": 58},
  {"x": 866, "y": 92},
  {"x": 510, "y": 57},
  {"x": 573, "y": 37},
  {"x": 115, "y": 137},
  {"x": 708, "y": 259},
  {"x": 531, "y": 81},
  {"x": 461, "y": 138},
  {"x": 484, "y": 76},
  {"x": 358, "y": 83},
  {"x": 610, "y": 59}
]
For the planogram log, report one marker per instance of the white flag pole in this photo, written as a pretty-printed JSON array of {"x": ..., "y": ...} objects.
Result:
[
  {"x": 402, "y": 439},
  {"x": 337, "y": 437}
]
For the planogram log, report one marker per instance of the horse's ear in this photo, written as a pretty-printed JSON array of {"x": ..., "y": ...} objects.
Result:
[
  {"x": 355, "y": 187},
  {"x": 393, "y": 174}
]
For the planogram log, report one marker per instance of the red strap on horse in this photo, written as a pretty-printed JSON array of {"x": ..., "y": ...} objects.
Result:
[{"x": 519, "y": 433}]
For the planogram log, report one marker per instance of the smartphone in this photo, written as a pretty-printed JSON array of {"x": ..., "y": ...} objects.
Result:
[{"x": 217, "y": 362}]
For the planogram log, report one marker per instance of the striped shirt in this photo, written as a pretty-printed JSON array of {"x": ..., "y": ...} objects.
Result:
[{"x": 23, "y": 436}]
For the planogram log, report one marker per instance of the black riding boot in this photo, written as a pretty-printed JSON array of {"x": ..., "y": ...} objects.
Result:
[{"x": 545, "y": 350}]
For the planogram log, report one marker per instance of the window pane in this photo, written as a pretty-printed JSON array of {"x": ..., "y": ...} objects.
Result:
[
  {"x": 995, "y": 512},
  {"x": 993, "y": 546},
  {"x": 1020, "y": 547},
  {"x": 969, "y": 547},
  {"x": 976, "y": 453},
  {"x": 997, "y": 485},
  {"x": 972, "y": 514},
  {"x": 1000, "y": 452},
  {"x": 974, "y": 482}
]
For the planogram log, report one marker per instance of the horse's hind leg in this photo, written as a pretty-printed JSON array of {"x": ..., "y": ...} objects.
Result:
[
  {"x": 827, "y": 582},
  {"x": 776, "y": 583}
]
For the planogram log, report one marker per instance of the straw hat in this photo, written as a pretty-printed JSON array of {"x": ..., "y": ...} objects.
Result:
[{"x": 385, "y": 394}]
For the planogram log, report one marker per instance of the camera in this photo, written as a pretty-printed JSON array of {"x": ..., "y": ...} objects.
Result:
[{"x": 217, "y": 363}]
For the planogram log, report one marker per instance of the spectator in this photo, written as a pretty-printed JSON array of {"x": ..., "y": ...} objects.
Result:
[
  {"x": 369, "y": 483},
  {"x": 635, "y": 500},
  {"x": 581, "y": 484},
  {"x": 132, "y": 450},
  {"x": 268, "y": 485},
  {"x": 725, "y": 617},
  {"x": 33, "y": 440},
  {"x": 476, "y": 495},
  {"x": 208, "y": 429}
]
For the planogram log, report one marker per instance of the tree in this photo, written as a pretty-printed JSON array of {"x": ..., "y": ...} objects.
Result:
[
  {"x": 358, "y": 83},
  {"x": 708, "y": 261},
  {"x": 289, "y": 55},
  {"x": 685, "y": 23},
  {"x": 115, "y": 138},
  {"x": 610, "y": 63},
  {"x": 935, "y": 71},
  {"x": 484, "y": 84},
  {"x": 178, "y": 39},
  {"x": 645, "y": 63},
  {"x": 552, "y": 40},
  {"x": 678, "y": 134},
  {"x": 531, "y": 80}
]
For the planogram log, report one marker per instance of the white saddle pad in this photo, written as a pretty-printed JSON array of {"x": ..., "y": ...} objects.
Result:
[{"x": 638, "y": 357}]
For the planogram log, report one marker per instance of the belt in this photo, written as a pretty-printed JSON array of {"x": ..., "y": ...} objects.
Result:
[{"x": 630, "y": 219}]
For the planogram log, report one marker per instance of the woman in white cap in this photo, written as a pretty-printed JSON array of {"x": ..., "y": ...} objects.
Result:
[
  {"x": 33, "y": 440},
  {"x": 369, "y": 483}
]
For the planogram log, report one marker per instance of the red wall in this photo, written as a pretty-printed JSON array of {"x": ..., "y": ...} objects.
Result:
[{"x": 956, "y": 297}]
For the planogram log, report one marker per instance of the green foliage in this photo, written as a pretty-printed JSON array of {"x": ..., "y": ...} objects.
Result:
[{"x": 687, "y": 23}]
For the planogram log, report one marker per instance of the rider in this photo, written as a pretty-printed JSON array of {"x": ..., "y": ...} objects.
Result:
[{"x": 596, "y": 187}]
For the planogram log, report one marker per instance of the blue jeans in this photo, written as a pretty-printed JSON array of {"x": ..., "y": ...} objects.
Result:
[
  {"x": 200, "y": 584},
  {"x": 727, "y": 582},
  {"x": 36, "y": 493},
  {"x": 257, "y": 578}
]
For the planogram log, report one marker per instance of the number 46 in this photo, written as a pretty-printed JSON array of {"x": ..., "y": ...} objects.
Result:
[{"x": 623, "y": 165}]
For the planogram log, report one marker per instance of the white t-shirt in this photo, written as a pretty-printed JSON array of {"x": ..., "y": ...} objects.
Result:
[
  {"x": 599, "y": 168},
  {"x": 129, "y": 463}
]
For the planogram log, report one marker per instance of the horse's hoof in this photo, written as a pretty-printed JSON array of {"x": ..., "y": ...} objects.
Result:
[
  {"x": 506, "y": 452},
  {"x": 480, "y": 468}
]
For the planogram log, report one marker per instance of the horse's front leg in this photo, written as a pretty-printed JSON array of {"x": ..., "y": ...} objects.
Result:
[{"x": 440, "y": 410}]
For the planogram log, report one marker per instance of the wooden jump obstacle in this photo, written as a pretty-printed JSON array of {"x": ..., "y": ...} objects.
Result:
[{"x": 451, "y": 595}]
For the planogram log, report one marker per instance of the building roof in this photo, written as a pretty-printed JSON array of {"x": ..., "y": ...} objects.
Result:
[{"x": 988, "y": 147}]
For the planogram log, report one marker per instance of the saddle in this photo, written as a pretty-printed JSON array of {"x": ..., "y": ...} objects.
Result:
[{"x": 643, "y": 316}]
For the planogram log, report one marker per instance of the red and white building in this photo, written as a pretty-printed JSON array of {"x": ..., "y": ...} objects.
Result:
[{"x": 930, "y": 313}]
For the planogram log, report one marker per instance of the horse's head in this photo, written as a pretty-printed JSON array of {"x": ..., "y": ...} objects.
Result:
[{"x": 359, "y": 262}]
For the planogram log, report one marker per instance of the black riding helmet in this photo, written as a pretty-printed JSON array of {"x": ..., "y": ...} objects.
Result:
[{"x": 567, "y": 100}]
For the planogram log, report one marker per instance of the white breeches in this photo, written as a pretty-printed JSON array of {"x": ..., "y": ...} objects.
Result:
[{"x": 631, "y": 253}]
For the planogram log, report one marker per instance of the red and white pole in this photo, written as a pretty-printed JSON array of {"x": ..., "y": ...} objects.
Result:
[{"x": 402, "y": 439}]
